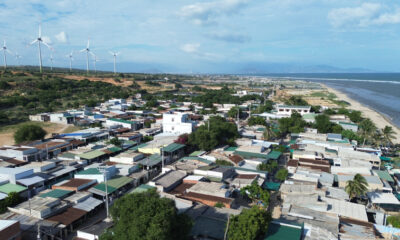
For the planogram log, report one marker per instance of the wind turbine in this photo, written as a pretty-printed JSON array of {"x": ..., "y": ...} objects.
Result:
[
  {"x": 87, "y": 50},
  {"x": 70, "y": 61},
  {"x": 51, "y": 60},
  {"x": 115, "y": 54},
  {"x": 95, "y": 59},
  {"x": 40, "y": 40},
  {"x": 5, "y": 51},
  {"x": 18, "y": 57}
]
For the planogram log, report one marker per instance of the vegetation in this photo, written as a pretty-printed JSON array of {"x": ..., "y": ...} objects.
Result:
[
  {"x": 256, "y": 193},
  {"x": 219, "y": 205},
  {"x": 12, "y": 199},
  {"x": 266, "y": 107},
  {"x": 223, "y": 163},
  {"x": 249, "y": 225},
  {"x": 147, "y": 138},
  {"x": 268, "y": 133},
  {"x": 221, "y": 133},
  {"x": 234, "y": 111},
  {"x": 29, "y": 132},
  {"x": 367, "y": 128},
  {"x": 256, "y": 121},
  {"x": 296, "y": 101},
  {"x": 115, "y": 141},
  {"x": 282, "y": 174},
  {"x": 388, "y": 134},
  {"x": 147, "y": 216},
  {"x": 356, "y": 187},
  {"x": 324, "y": 125},
  {"x": 270, "y": 167},
  {"x": 394, "y": 221},
  {"x": 293, "y": 124}
]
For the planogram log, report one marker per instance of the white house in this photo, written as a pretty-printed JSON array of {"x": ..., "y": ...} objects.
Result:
[
  {"x": 110, "y": 122},
  {"x": 65, "y": 118},
  {"x": 288, "y": 110},
  {"x": 177, "y": 123}
]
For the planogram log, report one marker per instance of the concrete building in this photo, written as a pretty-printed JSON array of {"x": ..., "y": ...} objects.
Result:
[
  {"x": 64, "y": 118},
  {"x": 10, "y": 230},
  {"x": 114, "y": 122},
  {"x": 23, "y": 153},
  {"x": 177, "y": 123},
  {"x": 288, "y": 110}
]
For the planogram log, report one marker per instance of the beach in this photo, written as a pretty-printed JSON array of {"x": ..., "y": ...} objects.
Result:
[{"x": 379, "y": 119}]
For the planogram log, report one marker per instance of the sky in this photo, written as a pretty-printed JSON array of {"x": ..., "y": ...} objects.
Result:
[{"x": 207, "y": 36}]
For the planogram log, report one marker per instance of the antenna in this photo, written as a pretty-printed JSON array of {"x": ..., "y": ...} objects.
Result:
[{"x": 40, "y": 40}]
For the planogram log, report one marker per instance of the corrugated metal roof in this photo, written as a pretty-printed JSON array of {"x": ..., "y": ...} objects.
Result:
[
  {"x": 151, "y": 160},
  {"x": 173, "y": 147},
  {"x": 135, "y": 148},
  {"x": 119, "y": 182},
  {"x": 56, "y": 193},
  {"x": 88, "y": 205},
  {"x": 30, "y": 181},
  {"x": 114, "y": 149},
  {"x": 384, "y": 175},
  {"x": 9, "y": 187},
  {"x": 100, "y": 189},
  {"x": 251, "y": 155},
  {"x": 280, "y": 231},
  {"x": 69, "y": 216},
  {"x": 92, "y": 154},
  {"x": 121, "y": 120},
  {"x": 3, "y": 196},
  {"x": 274, "y": 155},
  {"x": 89, "y": 171}
]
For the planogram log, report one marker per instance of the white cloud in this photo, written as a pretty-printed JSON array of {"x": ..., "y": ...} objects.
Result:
[
  {"x": 203, "y": 13},
  {"x": 365, "y": 15},
  {"x": 190, "y": 47},
  {"x": 62, "y": 37}
]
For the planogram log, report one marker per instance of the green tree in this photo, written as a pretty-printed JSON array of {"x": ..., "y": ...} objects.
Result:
[
  {"x": 29, "y": 132},
  {"x": 233, "y": 112},
  {"x": 115, "y": 141},
  {"x": 256, "y": 121},
  {"x": 293, "y": 124},
  {"x": 223, "y": 163},
  {"x": 355, "y": 116},
  {"x": 323, "y": 123},
  {"x": 147, "y": 216},
  {"x": 282, "y": 174},
  {"x": 356, "y": 187},
  {"x": 268, "y": 133},
  {"x": 249, "y": 225},
  {"x": 296, "y": 101},
  {"x": 367, "y": 128},
  {"x": 349, "y": 134},
  {"x": 269, "y": 167},
  {"x": 256, "y": 193},
  {"x": 394, "y": 221},
  {"x": 388, "y": 134}
]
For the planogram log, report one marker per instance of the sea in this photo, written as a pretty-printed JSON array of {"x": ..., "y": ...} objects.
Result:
[{"x": 379, "y": 91}]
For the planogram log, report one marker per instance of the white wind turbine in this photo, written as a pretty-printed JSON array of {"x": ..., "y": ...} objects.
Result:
[
  {"x": 95, "y": 59},
  {"x": 51, "y": 60},
  {"x": 70, "y": 60},
  {"x": 40, "y": 40},
  {"x": 5, "y": 51},
  {"x": 18, "y": 57},
  {"x": 115, "y": 54},
  {"x": 87, "y": 50}
]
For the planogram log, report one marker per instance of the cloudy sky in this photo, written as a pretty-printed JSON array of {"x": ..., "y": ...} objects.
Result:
[{"x": 208, "y": 35}]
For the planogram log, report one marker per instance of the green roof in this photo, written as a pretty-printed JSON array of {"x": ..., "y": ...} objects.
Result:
[
  {"x": 135, "y": 148},
  {"x": 274, "y": 155},
  {"x": 273, "y": 186},
  {"x": 151, "y": 160},
  {"x": 173, "y": 147},
  {"x": 142, "y": 188},
  {"x": 130, "y": 142},
  {"x": 9, "y": 187},
  {"x": 310, "y": 116},
  {"x": 230, "y": 149},
  {"x": 384, "y": 175},
  {"x": 92, "y": 154},
  {"x": 67, "y": 155},
  {"x": 196, "y": 153},
  {"x": 385, "y": 158},
  {"x": 56, "y": 193},
  {"x": 278, "y": 231},
  {"x": 251, "y": 154},
  {"x": 261, "y": 129},
  {"x": 102, "y": 187},
  {"x": 114, "y": 149},
  {"x": 347, "y": 123},
  {"x": 121, "y": 120},
  {"x": 197, "y": 158},
  {"x": 119, "y": 182},
  {"x": 89, "y": 171}
]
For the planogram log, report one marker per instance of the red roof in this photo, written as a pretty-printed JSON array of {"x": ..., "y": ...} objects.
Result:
[{"x": 68, "y": 217}]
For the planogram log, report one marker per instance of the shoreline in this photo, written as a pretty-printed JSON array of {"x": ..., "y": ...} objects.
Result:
[{"x": 378, "y": 118}]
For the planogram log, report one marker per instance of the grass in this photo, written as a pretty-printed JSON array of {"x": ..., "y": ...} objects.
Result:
[
  {"x": 13, "y": 127},
  {"x": 327, "y": 95}
]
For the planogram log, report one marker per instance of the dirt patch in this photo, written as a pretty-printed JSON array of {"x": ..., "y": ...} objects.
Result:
[{"x": 123, "y": 82}]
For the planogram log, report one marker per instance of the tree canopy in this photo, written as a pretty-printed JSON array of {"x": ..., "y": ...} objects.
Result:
[
  {"x": 147, "y": 216},
  {"x": 256, "y": 120},
  {"x": 292, "y": 124},
  {"x": 356, "y": 187},
  {"x": 29, "y": 132},
  {"x": 249, "y": 225},
  {"x": 282, "y": 174}
]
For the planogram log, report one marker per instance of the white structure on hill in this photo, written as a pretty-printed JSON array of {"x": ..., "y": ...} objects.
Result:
[{"x": 288, "y": 110}]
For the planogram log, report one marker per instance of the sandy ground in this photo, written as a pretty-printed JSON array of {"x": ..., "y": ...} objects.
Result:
[
  {"x": 7, "y": 136},
  {"x": 379, "y": 120}
]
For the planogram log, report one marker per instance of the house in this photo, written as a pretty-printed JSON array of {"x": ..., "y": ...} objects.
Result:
[
  {"x": 10, "y": 230},
  {"x": 114, "y": 122},
  {"x": 168, "y": 181},
  {"x": 64, "y": 118},
  {"x": 92, "y": 173},
  {"x": 177, "y": 123},
  {"x": 128, "y": 157},
  {"x": 288, "y": 110},
  {"x": 75, "y": 184},
  {"x": 93, "y": 232},
  {"x": 23, "y": 153}
]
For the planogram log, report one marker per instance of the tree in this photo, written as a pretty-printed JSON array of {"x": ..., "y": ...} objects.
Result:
[
  {"x": 147, "y": 216},
  {"x": 356, "y": 187},
  {"x": 294, "y": 124},
  {"x": 223, "y": 163},
  {"x": 367, "y": 128},
  {"x": 296, "y": 101},
  {"x": 388, "y": 134},
  {"x": 394, "y": 221},
  {"x": 256, "y": 121},
  {"x": 282, "y": 174},
  {"x": 268, "y": 133},
  {"x": 355, "y": 116},
  {"x": 249, "y": 225},
  {"x": 256, "y": 193},
  {"x": 233, "y": 112},
  {"x": 269, "y": 167},
  {"x": 323, "y": 123},
  {"x": 115, "y": 141},
  {"x": 29, "y": 132}
]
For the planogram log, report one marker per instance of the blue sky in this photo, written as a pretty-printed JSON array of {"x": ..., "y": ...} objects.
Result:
[{"x": 209, "y": 35}]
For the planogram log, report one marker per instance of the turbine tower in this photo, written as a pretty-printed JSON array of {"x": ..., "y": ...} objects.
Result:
[
  {"x": 5, "y": 51},
  {"x": 40, "y": 40},
  {"x": 51, "y": 60},
  {"x": 115, "y": 54},
  {"x": 95, "y": 59},
  {"x": 87, "y": 50},
  {"x": 70, "y": 61},
  {"x": 18, "y": 57}
]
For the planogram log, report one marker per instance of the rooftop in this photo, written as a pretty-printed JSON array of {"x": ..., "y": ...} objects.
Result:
[
  {"x": 280, "y": 231},
  {"x": 9, "y": 187},
  {"x": 56, "y": 193},
  {"x": 173, "y": 147}
]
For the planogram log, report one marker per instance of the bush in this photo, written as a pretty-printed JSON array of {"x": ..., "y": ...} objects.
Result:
[
  {"x": 223, "y": 163},
  {"x": 394, "y": 221},
  {"x": 282, "y": 174},
  {"x": 219, "y": 205},
  {"x": 29, "y": 132}
]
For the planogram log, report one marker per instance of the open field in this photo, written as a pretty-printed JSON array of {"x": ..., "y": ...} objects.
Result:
[{"x": 7, "y": 132}]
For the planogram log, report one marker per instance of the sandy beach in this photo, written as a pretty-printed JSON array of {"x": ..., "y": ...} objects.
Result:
[{"x": 380, "y": 120}]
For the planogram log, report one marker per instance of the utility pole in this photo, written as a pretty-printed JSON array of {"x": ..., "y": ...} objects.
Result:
[
  {"x": 227, "y": 227},
  {"x": 104, "y": 171},
  {"x": 162, "y": 158},
  {"x": 38, "y": 232}
]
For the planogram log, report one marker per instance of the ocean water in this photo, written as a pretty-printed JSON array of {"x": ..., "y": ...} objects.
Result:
[{"x": 380, "y": 91}]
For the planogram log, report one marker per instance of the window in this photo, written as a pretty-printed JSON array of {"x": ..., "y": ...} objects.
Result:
[{"x": 172, "y": 120}]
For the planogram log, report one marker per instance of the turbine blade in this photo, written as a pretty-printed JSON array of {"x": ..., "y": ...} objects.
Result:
[
  {"x": 88, "y": 43},
  {"x": 83, "y": 50},
  {"x": 40, "y": 30},
  {"x": 118, "y": 53},
  {"x": 34, "y": 41},
  {"x": 48, "y": 46},
  {"x": 9, "y": 51},
  {"x": 92, "y": 54},
  {"x": 111, "y": 53}
]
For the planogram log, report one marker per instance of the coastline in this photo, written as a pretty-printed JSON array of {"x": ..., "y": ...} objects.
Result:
[{"x": 379, "y": 119}]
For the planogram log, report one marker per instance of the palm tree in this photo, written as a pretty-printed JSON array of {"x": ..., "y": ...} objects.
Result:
[
  {"x": 388, "y": 134},
  {"x": 268, "y": 133},
  {"x": 367, "y": 129},
  {"x": 356, "y": 187}
]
